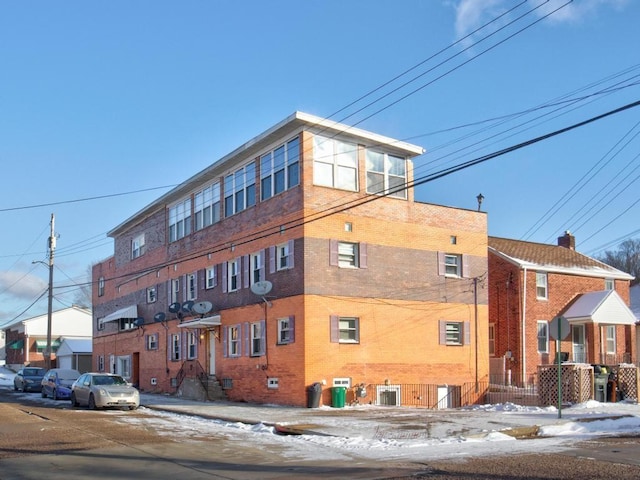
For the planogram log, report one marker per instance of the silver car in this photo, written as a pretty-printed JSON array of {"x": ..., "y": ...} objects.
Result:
[{"x": 102, "y": 390}]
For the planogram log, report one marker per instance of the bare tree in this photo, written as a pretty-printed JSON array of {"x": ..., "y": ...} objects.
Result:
[
  {"x": 83, "y": 294},
  {"x": 626, "y": 258}
]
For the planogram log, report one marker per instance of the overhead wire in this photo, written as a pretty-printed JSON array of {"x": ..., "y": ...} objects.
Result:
[
  {"x": 586, "y": 178},
  {"x": 385, "y": 107},
  {"x": 298, "y": 222}
]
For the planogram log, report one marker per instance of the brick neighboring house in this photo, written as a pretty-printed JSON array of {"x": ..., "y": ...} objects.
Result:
[
  {"x": 27, "y": 339},
  {"x": 532, "y": 283},
  {"x": 367, "y": 290}
]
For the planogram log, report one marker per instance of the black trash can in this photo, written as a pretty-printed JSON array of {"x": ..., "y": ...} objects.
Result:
[{"x": 314, "y": 392}]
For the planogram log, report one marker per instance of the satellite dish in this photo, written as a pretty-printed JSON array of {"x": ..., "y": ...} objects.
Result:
[
  {"x": 138, "y": 322},
  {"x": 261, "y": 288},
  {"x": 174, "y": 307},
  {"x": 202, "y": 307},
  {"x": 187, "y": 306},
  {"x": 159, "y": 317}
]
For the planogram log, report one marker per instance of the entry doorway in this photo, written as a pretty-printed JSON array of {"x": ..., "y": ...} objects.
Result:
[
  {"x": 579, "y": 344},
  {"x": 212, "y": 352}
]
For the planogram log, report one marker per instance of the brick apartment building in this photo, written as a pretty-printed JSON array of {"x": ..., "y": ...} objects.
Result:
[
  {"x": 298, "y": 258},
  {"x": 532, "y": 283}
]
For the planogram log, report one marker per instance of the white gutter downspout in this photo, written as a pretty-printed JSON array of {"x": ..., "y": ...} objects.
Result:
[{"x": 524, "y": 330}]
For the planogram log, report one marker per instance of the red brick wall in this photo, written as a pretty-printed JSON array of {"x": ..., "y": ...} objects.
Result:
[
  {"x": 505, "y": 305},
  {"x": 399, "y": 298}
]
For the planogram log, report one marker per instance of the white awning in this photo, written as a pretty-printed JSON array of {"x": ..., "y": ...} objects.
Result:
[
  {"x": 602, "y": 307},
  {"x": 127, "y": 312},
  {"x": 205, "y": 322}
]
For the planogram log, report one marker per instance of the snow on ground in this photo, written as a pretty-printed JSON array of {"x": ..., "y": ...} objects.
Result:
[{"x": 578, "y": 422}]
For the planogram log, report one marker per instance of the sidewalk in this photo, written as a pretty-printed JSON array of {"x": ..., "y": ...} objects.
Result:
[{"x": 365, "y": 421}]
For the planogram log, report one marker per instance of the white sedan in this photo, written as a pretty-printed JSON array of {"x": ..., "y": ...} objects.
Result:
[{"x": 102, "y": 390}]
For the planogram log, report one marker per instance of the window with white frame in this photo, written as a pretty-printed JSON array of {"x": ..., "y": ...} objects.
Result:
[
  {"x": 452, "y": 265},
  {"x": 610, "y": 335},
  {"x": 492, "y": 339},
  {"x": 335, "y": 163},
  {"x": 285, "y": 330},
  {"x": 256, "y": 266},
  {"x": 386, "y": 174},
  {"x": 191, "y": 287},
  {"x": 273, "y": 382},
  {"x": 233, "y": 275},
  {"x": 206, "y": 207},
  {"x": 175, "y": 347},
  {"x": 345, "y": 329},
  {"x": 101, "y": 286},
  {"x": 180, "y": 220},
  {"x": 342, "y": 382},
  {"x": 100, "y": 324},
  {"x": 347, "y": 254},
  {"x": 137, "y": 246},
  {"x": 257, "y": 338},
  {"x": 151, "y": 294},
  {"x": 233, "y": 341},
  {"x": 123, "y": 366},
  {"x": 609, "y": 284},
  {"x": 543, "y": 336},
  {"x": 240, "y": 190},
  {"x": 454, "y": 332},
  {"x": 279, "y": 169},
  {"x": 127, "y": 323},
  {"x": 152, "y": 341},
  {"x": 282, "y": 252},
  {"x": 212, "y": 279},
  {"x": 192, "y": 345},
  {"x": 541, "y": 285},
  {"x": 100, "y": 365},
  {"x": 174, "y": 290}
]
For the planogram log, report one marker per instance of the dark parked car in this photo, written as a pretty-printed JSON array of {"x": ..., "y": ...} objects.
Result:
[
  {"x": 57, "y": 383},
  {"x": 29, "y": 379},
  {"x": 102, "y": 390}
]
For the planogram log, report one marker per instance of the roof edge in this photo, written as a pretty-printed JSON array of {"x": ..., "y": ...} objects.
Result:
[{"x": 296, "y": 120}]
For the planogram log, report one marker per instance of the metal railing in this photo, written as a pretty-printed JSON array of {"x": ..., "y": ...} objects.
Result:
[{"x": 192, "y": 369}]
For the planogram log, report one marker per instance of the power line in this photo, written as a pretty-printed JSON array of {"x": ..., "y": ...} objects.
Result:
[
  {"x": 577, "y": 186},
  {"x": 300, "y": 221},
  {"x": 99, "y": 197}
]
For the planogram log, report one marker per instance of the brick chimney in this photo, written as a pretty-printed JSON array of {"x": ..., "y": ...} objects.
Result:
[{"x": 567, "y": 241}]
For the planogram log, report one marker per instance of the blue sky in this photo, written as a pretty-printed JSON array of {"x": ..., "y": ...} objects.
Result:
[{"x": 99, "y": 99}]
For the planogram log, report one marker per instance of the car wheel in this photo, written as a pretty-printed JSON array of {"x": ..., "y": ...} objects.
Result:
[
  {"x": 74, "y": 402},
  {"x": 54, "y": 395},
  {"x": 15, "y": 387},
  {"x": 43, "y": 393},
  {"x": 92, "y": 402},
  {"x": 132, "y": 407}
]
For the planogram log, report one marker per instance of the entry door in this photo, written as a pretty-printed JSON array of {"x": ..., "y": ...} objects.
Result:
[
  {"x": 579, "y": 347},
  {"x": 212, "y": 352}
]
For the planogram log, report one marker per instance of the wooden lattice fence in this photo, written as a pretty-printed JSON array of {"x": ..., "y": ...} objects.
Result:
[
  {"x": 628, "y": 381},
  {"x": 576, "y": 381}
]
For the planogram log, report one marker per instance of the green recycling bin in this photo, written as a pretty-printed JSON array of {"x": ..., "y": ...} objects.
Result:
[{"x": 338, "y": 395}]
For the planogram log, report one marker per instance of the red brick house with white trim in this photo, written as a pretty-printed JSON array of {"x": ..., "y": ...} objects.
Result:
[{"x": 531, "y": 283}]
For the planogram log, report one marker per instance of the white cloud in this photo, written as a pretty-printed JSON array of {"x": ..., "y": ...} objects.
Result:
[
  {"x": 21, "y": 285},
  {"x": 471, "y": 14}
]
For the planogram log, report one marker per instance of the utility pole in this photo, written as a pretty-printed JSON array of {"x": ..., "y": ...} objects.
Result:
[
  {"x": 52, "y": 249},
  {"x": 475, "y": 305}
]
